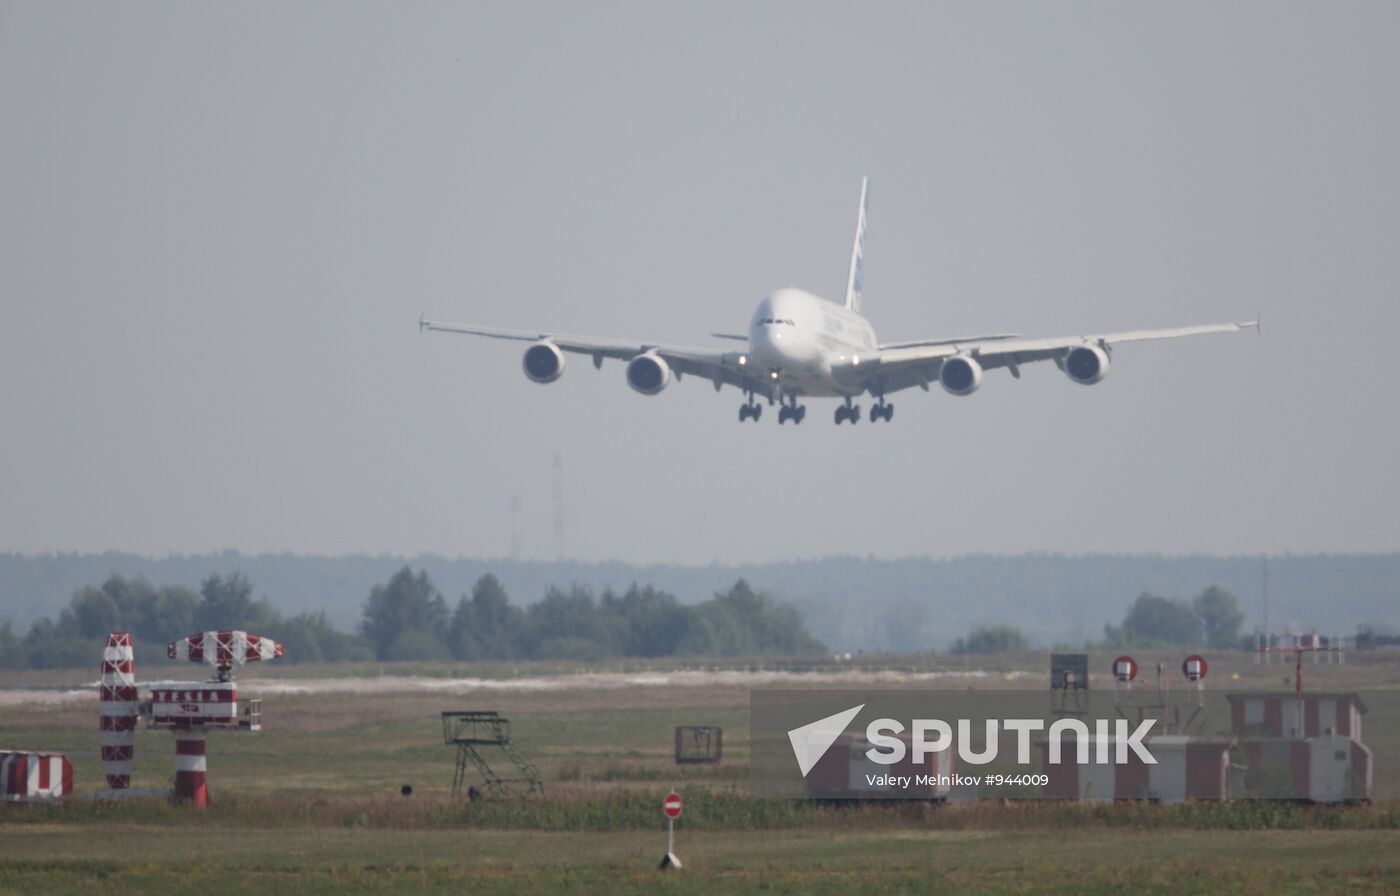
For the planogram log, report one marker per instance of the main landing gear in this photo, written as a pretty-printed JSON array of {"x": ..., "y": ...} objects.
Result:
[
  {"x": 792, "y": 411},
  {"x": 849, "y": 412},
  {"x": 881, "y": 410}
]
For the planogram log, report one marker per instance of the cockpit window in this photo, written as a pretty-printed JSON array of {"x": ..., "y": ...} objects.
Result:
[{"x": 777, "y": 321}]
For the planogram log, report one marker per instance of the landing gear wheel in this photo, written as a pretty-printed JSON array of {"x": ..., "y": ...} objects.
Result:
[
  {"x": 889, "y": 412},
  {"x": 783, "y": 413},
  {"x": 801, "y": 414},
  {"x": 875, "y": 413},
  {"x": 743, "y": 412},
  {"x": 840, "y": 415},
  {"x": 756, "y": 412},
  {"x": 855, "y": 414}
]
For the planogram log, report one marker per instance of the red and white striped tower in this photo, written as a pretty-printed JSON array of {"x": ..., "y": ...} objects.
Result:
[
  {"x": 118, "y": 709},
  {"x": 191, "y": 772},
  {"x": 188, "y": 709},
  {"x": 193, "y": 709}
]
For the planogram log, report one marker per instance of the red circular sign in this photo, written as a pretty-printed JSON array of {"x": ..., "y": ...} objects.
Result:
[
  {"x": 1125, "y": 668},
  {"x": 672, "y": 805},
  {"x": 1194, "y": 667}
]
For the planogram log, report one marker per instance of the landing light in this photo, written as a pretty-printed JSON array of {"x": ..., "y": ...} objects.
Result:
[
  {"x": 855, "y": 359},
  {"x": 773, "y": 374},
  {"x": 743, "y": 359}
]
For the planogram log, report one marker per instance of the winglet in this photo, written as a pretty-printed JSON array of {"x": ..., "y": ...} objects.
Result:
[
  {"x": 855, "y": 281},
  {"x": 422, "y": 322}
]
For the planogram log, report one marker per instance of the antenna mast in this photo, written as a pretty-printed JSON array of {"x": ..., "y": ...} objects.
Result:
[{"x": 558, "y": 505}]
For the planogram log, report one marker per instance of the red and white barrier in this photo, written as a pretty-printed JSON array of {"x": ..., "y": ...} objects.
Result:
[
  {"x": 118, "y": 709},
  {"x": 34, "y": 776}
]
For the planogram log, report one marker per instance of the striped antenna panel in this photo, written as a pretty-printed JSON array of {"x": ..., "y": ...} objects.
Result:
[{"x": 224, "y": 648}]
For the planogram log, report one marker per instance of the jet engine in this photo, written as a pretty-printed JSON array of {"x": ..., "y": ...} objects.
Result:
[
  {"x": 1086, "y": 364},
  {"x": 543, "y": 362},
  {"x": 648, "y": 373},
  {"x": 960, "y": 374}
]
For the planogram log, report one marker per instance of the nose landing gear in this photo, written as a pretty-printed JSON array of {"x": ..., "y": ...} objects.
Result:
[{"x": 750, "y": 410}]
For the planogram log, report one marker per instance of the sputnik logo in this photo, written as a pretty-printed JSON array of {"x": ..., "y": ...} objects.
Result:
[{"x": 811, "y": 741}]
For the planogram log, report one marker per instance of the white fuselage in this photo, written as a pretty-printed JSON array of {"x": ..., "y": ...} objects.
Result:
[{"x": 805, "y": 339}]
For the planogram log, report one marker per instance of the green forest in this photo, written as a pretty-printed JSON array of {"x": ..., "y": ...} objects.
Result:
[
  {"x": 409, "y": 618},
  {"x": 848, "y": 603}
]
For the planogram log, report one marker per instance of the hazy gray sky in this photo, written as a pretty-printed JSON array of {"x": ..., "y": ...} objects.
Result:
[{"x": 219, "y": 224}]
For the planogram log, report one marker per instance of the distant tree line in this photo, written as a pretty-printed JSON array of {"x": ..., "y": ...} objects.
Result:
[
  {"x": 910, "y": 604},
  {"x": 992, "y": 639},
  {"x": 1210, "y": 619},
  {"x": 158, "y": 615},
  {"x": 408, "y": 618}
]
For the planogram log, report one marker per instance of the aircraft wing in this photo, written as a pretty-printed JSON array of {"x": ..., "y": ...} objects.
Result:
[
  {"x": 904, "y": 365},
  {"x": 719, "y": 367},
  {"x": 923, "y": 343}
]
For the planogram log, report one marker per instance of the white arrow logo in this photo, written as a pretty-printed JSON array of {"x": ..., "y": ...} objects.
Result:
[{"x": 811, "y": 741}]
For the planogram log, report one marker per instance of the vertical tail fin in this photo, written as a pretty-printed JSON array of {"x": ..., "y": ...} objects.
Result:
[
  {"x": 855, "y": 281},
  {"x": 117, "y": 709}
]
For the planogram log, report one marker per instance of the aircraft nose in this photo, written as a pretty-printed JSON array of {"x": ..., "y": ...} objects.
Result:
[{"x": 768, "y": 346}]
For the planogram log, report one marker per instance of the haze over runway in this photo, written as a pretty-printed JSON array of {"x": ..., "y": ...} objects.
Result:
[{"x": 219, "y": 226}]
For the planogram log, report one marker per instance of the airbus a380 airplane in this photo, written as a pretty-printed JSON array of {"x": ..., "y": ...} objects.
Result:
[{"x": 803, "y": 346}]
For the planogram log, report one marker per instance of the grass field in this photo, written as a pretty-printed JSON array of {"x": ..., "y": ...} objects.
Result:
[{"x": 312, "y": 804}]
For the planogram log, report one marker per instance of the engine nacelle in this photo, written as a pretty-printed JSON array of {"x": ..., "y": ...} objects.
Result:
[
  {"x": 543, "y": 362},
  {"x": 1086, "y": 364},
  {"x": 960, "y": 374},
  {"x": 648, "y": 373}
]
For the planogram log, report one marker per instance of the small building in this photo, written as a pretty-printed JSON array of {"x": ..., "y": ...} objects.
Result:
[
  {"x": 1276, "y": 714},
  {"x": 1188, "y": 767},
  {"x": 28, "y": 776},
  {"x": 1304, "y": 747},
  {"x": 845, "y": 772},
  {"x": 1325, "y": 769}
]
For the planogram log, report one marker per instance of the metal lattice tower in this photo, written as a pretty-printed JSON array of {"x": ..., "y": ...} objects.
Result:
[
  {"x": 470, "y": 730},
  {"x": 558, "y": 505},
  {"x": 515, "y": 527}
]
